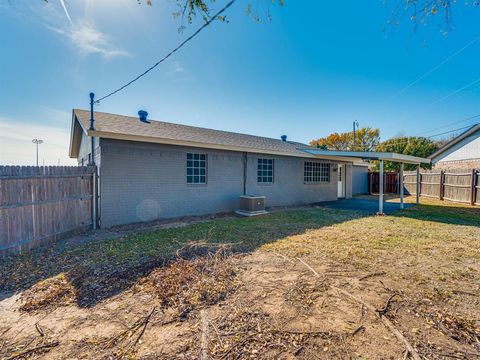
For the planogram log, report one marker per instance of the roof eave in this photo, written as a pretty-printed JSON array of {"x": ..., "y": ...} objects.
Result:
[
  {"x": 371, "y": 156},
  {"x": 166, "y": 141},
  {"x": 454, "y": 141},
  {"x": 75, "y": 137}
]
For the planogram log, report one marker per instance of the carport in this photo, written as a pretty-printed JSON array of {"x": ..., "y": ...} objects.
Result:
[{"x": 381, "y": 157}]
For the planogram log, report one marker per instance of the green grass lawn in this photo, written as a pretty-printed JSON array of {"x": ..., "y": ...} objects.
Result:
[
  {"x": 452, "y": 230},
  {"x": 427, "y": 255}
]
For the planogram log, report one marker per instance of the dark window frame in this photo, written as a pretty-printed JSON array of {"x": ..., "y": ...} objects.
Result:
[
  {"x": 265, "y": 171},
  {"x": 196, "y": 168},
  {"x": 316, "y": 172}
]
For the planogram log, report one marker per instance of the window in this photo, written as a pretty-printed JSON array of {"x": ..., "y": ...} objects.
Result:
[
  {"x": 315, "y": 172},
  {"x": 265, "y": 171},
  {"x": 196, "y": 168}
]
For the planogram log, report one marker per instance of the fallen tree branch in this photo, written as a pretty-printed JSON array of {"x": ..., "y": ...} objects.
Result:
[
  {"x": 384, "y": 310},
  {"x": 39, "y": 330},
  {"x": 32, "y": 350},
  {"x": 205, "y": 335},
  {"x": 146, "y": 321},
  {"x": 379, "y": 273},
  {"x": 357, "y": 330},
  {"x": 385, "y": 321}
]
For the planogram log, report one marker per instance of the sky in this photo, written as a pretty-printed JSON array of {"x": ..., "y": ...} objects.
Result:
[{"x": 313, "y": 69}]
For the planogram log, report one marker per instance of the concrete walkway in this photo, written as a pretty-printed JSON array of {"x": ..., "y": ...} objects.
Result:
[{"x": 367, "y": 205}]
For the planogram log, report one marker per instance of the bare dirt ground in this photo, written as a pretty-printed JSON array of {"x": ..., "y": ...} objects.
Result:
[{"x": 323, "y": 291}]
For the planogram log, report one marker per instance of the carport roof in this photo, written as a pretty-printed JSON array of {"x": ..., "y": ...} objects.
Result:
[{"x": 369, "y": 155}]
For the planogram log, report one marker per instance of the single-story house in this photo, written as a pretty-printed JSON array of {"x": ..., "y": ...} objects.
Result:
[
  {"x": 462, "y": 152},
  {"x": 150, "y": 170}
]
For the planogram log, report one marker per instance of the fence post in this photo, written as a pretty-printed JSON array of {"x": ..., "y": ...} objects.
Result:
[
  {"x": 442, "y": 188},
  {"x": 401, "y": 179},
  {"x": 370, "y": 182},
  {"x": 473, "y": 187},
  {"x": 418, "y": 185}
]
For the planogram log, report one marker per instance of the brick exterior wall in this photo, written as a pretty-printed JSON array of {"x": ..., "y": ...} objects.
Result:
[
  {"x": 458, "y": 165},
  {"x": 143, "y": 182}
]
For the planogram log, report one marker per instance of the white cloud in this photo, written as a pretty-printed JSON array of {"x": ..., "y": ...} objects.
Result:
[
  {"x": 82, "y": 33},
  {"x": 89, "y": 40},
  {"x": 175, "y": 67}
]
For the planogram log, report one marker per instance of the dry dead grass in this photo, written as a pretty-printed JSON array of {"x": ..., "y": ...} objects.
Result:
[{"x": 268, "y": 305}]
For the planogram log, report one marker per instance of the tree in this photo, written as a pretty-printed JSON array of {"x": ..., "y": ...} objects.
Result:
[
  {"x": 422, "y": 12},
  {"x": 188, "y": 10},
  {"x": 415, "y": 146},
  {"x": 366, "y": 139}
]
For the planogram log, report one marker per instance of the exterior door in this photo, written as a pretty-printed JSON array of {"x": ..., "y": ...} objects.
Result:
[{"x": 341, "y": 181}]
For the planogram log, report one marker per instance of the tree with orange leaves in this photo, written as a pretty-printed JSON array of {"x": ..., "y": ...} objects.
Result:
[{"x": 366, "y": 139}]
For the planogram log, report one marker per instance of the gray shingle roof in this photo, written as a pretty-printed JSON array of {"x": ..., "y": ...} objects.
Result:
[{"x": 119, "y": 126}]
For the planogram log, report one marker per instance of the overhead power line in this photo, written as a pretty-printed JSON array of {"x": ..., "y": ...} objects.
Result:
[
  {"x": 183, "y": 43},
  {"x": 476, "y": 81},
  {"x": 437, "y": 66},
  {"x": 451, "y": 131},
  {"x": 454, "y": 92},
  {"x": 450, "y": 124}
]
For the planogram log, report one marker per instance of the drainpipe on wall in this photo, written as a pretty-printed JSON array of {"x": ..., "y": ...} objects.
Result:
[
  {"x": 92, "y": 163},
  {"x": 245, "y": 159},
  {"x": 92, "y": 127}
]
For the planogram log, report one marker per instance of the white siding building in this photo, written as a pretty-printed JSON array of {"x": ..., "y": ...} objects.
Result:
[{"x": 463, "y": 152}]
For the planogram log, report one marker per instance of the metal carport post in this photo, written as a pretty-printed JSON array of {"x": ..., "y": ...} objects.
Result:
[
  {"x": 402, "y": 206},
  {"x": 380, "y": 189},
  {"x": 381, "y": 157}
]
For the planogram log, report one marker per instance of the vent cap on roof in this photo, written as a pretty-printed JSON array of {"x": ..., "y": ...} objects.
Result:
[
  {"x": 284, "y": 137},
  {"x": 142, "y": 114}
]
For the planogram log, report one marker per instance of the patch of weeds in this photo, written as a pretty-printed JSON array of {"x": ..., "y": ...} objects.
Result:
[
  {"x": 467, "y": 273},
  {"x": 303, "y": 294},
  {"x": 248, "y": 333},
  {"x": 188, "y": 284},
  {"x": 456, "y": 327},
  {"x": 52, "y": 292}
]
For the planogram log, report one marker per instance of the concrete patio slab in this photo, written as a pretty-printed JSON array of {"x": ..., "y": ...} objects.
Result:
[{"x": 367, "y": 205}]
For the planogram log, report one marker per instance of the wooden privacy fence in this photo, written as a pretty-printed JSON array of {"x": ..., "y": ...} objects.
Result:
[
  {"x": 42, "y": 204},
  {"x": 459, "y": 186},
  {"x": 391, "y": 182}
]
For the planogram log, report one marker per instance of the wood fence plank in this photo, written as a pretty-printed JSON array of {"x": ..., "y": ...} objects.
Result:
[
  {"x": 42, "y": 204},
  {"x": 457, "y": 186}
]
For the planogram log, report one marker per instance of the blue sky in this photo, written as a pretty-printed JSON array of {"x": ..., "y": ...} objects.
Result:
[{"x": 314, "y": 69}]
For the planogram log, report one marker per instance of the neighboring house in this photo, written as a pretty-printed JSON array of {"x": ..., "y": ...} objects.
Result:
[
  {"x": 462, "y": 152},
  {"x": 151, "y": 169}
]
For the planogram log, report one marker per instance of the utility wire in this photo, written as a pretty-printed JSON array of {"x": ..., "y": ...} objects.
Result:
[
  {"x": 442, "y": 98},
  {"x": 448, "y": 132},
  {"x": 183, "y": 43},
  {"x": 450, "y": 124},
  {"x": 454, "y": 92},
  {"x": 436, "y": 67}
]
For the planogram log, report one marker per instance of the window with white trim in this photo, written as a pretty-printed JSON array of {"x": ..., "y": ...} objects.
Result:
[
  {"x": 196, "y": 168},
  {"x": 265, "y": 171},
  {"x": 316, "y": 172}
]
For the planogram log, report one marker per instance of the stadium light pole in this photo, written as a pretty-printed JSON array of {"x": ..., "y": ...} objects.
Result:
[{"x": 37, "y": 142}]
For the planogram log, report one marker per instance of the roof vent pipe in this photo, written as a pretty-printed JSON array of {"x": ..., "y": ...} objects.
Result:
[
  {"x": 284, "y": 137},
  {"x": 142, "y": 114}
]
